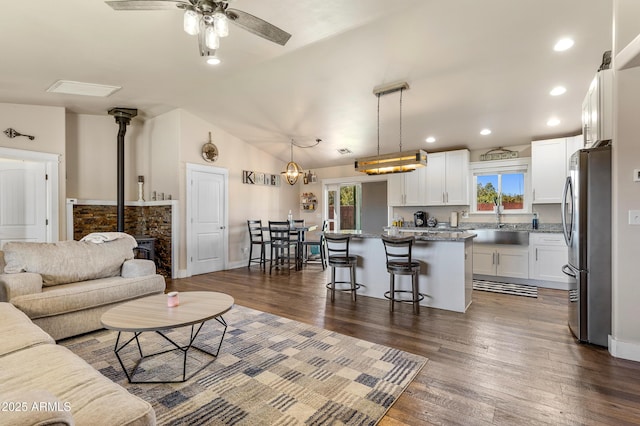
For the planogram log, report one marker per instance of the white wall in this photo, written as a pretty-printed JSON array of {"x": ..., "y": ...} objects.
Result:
[
  {"x": 626, "y": 193},
  {"x": 48, "y": 126}
]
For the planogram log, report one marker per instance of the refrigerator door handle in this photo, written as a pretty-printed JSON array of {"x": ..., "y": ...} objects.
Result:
[
  {"x": 563, "y": 211},
  {"x": 568, "y": 270}
]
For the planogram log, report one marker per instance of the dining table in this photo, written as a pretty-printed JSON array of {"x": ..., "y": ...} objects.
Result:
[{"x": 300, "y": 231}]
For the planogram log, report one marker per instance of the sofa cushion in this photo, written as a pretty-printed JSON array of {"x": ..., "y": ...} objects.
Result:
[
  {"x": 18, "y": 332},
  {"x": 92, "y": 398},
  {"x": 68, "y": 261},
  {"x": 83, "y": 295}
]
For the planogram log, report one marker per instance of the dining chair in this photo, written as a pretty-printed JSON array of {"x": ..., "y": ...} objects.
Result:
[
  {"x": 256, "y": 237},
  {"x": 281, "y": 245},
  {"x": 320, "y": 244}
]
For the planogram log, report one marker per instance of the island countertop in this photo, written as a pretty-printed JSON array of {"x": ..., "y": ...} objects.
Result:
[{"x": 420, "y": 235}]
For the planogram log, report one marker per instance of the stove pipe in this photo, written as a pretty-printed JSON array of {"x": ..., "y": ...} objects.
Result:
[{"x": 123, "y": 117}]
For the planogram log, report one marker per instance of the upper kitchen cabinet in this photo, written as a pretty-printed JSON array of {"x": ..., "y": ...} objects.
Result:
[
  {"x": 448, "y": 178},
  {"x": 407, "y": 189},
  {"x": 548, "y": 170}
]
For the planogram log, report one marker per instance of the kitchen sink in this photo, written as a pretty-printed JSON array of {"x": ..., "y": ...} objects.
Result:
[{"x": 501, "y": 236}]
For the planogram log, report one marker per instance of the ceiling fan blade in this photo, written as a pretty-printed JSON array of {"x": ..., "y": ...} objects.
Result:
[
  {"x": 147, "y": 4},
  {"x": 258, "y": 27}
]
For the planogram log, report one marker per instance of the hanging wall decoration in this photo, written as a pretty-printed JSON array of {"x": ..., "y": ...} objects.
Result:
[
  {"x": 12, "y": 133},
  {"x": 251, "y": 177}
]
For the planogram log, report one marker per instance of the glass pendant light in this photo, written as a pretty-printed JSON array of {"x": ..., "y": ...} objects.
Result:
[
  {"x": 211, "y": 39},
  {"x": 221, "y": 24},
  {"x": 191, "y": 24}
]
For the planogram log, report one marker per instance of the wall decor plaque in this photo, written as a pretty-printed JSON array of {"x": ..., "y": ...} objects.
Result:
[{"x": 251, "y": 177}]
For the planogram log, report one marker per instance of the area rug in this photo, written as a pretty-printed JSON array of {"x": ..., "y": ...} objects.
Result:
[
  {"x": 506, "y": 288},
  {"x": 270, "y": 371}
]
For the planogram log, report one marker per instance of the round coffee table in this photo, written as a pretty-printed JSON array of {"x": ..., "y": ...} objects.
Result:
[{"x": 152, "y": 314}]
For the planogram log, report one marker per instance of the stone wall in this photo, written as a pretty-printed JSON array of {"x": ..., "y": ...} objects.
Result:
[{"x": 152, "y": 221}]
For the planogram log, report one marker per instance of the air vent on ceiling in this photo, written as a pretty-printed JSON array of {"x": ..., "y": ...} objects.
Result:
[
  {"x": 344, "y": 151},
  {"x": 79, "y": 88}
]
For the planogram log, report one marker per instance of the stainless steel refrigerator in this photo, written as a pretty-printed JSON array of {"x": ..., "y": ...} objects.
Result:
[{"x": 586, "y": 219}]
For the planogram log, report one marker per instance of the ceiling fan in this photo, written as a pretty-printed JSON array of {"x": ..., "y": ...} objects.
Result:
[{"x": 209, "y": 20}]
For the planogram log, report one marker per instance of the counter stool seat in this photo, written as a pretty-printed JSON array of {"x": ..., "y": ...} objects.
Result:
[
  {"x": 399, "y": 262},
  {"x": 338, "y": 257}
]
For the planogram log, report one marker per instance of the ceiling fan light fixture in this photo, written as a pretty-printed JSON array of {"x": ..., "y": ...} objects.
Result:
[
  {"x": 221, "y": 24},
  {"x": 211, "y": 39},
  {"x": 191, "y": 22}
]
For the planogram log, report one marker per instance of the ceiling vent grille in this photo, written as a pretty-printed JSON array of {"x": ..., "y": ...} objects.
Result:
[{"x": 345, "y": 151}]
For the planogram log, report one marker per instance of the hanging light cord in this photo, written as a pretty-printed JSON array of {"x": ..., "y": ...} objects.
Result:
[
  {"x": 401, "y": 90},
  {"x": 378, "y": 124}
]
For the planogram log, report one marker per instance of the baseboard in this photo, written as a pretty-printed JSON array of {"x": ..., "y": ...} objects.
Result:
[
  {"x": 182, "y": 273},
  {"x": 624, "y": 350}
]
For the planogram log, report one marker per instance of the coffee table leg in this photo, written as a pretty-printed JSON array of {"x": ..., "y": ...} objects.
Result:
[{"x": 185, "y": 349}]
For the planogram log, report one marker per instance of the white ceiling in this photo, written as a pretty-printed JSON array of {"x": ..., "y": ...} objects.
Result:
[{"x": 470, "y": 64}]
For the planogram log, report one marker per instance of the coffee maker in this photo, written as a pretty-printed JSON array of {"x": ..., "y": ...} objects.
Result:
[{"x": 420, "y": 218}]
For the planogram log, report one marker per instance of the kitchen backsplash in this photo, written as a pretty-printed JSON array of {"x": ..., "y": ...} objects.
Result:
[{"x": 547, "y": 213}]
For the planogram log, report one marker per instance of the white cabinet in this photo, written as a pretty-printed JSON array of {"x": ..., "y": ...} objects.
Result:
[
  {"x": 407, "y": 189},
  {"x": 547, "y": 254},
  {"x": 548, "y": 170},
  {"x": 597, "y": 109},
  {"x": 448, "y": 178},
  {"x": 573, "y": 144},
  {"x": 501, "y": 260}
]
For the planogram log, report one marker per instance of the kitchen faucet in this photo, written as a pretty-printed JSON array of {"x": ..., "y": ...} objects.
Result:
[{"x": 497, "y": 203}]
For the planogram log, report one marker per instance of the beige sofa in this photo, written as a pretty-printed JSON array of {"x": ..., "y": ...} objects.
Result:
[
  {"x": 42, "y": 383},
  {"x": 65, "y": 287}
]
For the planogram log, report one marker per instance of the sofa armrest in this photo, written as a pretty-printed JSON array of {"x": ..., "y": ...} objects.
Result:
[
  {"x": 137, "y": 268},
  {"x": 35, "y": 407},
  {"x": 13, "y": 285}
]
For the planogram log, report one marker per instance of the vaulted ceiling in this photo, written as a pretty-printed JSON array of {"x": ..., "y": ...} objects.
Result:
[{"x": 470, "y": 64}]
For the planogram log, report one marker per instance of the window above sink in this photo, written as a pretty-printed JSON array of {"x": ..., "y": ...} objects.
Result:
[{"x": 503, "y": 183}]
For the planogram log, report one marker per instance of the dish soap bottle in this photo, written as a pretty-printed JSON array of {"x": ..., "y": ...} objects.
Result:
[{"x": 534, "y": 222}]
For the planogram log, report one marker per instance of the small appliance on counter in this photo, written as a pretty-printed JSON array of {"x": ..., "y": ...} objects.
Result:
[
  {"x": 453, "y": 220},
  {"x": 420, "y": 218},
  {"x": 432, "y": 222}
]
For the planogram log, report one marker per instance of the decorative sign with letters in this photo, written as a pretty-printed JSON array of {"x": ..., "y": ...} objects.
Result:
[
  {"x": 258, "y": 178},
  {"x": 499, "y": 154}
]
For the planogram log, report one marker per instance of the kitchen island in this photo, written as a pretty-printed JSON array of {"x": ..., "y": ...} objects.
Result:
[{"x": 446, "y": 268}]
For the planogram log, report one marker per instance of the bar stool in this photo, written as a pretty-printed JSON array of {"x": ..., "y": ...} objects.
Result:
[
  {"x": 338, "y": 257},
  {"x": 399, "y": 262}
]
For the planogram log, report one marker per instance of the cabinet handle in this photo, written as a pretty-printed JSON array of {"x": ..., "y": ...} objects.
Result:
[
  {"x": 536, "y": 254},
  {"x": 493, "y": 258},
  {"x": 498, "y": 258},
  {"x": 534, "y": 195},
  {"x": 443, "y": 197}
]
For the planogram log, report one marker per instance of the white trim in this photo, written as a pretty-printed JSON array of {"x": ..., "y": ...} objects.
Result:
[
  {"x": 624, "y": 350},
  {"x": 175, "y": 222},
  {"x": 51, "y": 162},
  {"x": 191, "y": 167}
]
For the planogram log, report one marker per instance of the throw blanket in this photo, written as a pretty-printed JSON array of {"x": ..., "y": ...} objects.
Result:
[{"x": 102, "y": 237}]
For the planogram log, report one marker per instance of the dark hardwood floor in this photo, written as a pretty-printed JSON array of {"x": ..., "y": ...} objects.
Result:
[{"x": 508, "y": 360}]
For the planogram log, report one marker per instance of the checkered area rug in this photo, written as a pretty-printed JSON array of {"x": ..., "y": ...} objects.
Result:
[
  {"x": 506, "y": 288},
  {"x": 270, "y": 371}
]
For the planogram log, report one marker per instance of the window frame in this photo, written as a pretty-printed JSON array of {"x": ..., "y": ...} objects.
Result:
[{"x": 500, "y": 167}]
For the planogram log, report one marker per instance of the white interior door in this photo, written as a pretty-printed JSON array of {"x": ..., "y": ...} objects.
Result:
[
  {"x": 207, "y": 217},
  {"x": 23, "y": 201}
]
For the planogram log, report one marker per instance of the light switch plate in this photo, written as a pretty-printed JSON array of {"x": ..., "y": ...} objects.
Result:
[{"x": 634, "y": 217}]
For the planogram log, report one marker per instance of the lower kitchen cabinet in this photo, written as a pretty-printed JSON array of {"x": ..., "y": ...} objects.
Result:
[
  {"x": 501, "y": 260},
  {"x": 547, "y": 254}
]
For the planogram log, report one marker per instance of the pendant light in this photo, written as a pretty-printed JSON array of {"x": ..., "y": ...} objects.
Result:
[
  {"x": 292, "y": 171},
  {"x": 397, "y": 162}
]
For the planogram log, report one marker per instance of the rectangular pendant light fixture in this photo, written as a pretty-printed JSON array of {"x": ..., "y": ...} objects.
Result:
[{"x": 397, "y": 162}]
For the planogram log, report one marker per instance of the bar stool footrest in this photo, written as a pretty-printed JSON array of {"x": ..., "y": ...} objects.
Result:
[
  {"x": 387, "y": 294},
  {"x": 344, "y": 286}
]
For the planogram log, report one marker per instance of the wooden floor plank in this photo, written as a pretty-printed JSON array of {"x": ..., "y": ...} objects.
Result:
[{"x": 507, "y": 360}]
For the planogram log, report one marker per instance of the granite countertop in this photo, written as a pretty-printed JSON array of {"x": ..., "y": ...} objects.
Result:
[
  {"x": 543, "y": 228},
  {"x": 425, "y": 235}
]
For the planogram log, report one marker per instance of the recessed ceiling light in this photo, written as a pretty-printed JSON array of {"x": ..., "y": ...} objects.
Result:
[
  {"x": 563, "y": 44},
  {"x": 485, "y": 132},
  {"x": 553, "y": 122},
  {"x": 68, "y": 87},
  {"x": 557, "y": 91},
  {"x": 430, "y": 139}
]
